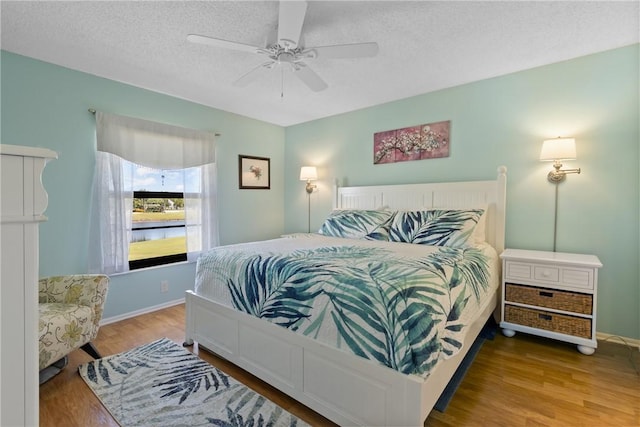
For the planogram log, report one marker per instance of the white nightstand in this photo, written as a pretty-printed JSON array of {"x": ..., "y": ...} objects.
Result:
[{"x": 551, "y": 294}]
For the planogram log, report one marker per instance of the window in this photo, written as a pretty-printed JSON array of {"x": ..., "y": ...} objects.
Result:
[
  {"x": 158, "y": 226},
  {"x": 158, "y": 233},
  {"x": 154, "y": 194}
]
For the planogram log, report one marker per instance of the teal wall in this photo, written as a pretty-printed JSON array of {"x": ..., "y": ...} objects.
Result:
[
  {"x": 503, "y": 121},
  {"x": 500, "y": 121},
  {"x": 46, "y": 105}
]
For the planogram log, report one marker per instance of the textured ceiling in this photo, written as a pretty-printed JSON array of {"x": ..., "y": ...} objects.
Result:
[{"x": 424, "y": 46}]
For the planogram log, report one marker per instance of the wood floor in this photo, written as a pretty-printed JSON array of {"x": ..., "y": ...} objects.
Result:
[{"x": 520, "y": 381}]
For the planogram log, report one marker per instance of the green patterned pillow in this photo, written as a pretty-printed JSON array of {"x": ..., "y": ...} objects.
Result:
[
  {"x": 353, "y": 224},
  {"x": 437, "y": 227}
]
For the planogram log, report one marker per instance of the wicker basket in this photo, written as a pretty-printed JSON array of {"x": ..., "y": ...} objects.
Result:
[
  {"x": 569, "y": 325},
  {"x": 550, "y": 298}
]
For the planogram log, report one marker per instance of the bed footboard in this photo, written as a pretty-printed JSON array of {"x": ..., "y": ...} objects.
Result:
[{"x": 343, "y": 387}]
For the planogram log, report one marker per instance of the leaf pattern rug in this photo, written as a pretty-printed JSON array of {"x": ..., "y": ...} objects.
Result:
[{"x": 162, "y": 384}]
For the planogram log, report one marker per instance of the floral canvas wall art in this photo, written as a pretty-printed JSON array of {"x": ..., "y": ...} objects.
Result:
[{"x": 428, "y": 141}]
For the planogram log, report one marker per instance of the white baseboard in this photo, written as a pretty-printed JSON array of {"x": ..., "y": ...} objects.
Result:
[
  {"x": 135, "y": 313},
  {"x": 601, "y": 336}
]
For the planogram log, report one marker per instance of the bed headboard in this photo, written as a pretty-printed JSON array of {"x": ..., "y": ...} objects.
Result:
[{"x": 454, "y": 195}]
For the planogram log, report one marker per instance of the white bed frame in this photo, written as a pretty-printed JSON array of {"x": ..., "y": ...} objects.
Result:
[{"x": 345, "y": 388}]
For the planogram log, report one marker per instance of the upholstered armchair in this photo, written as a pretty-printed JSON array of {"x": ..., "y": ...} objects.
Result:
[{"x": 70, "y": 313}]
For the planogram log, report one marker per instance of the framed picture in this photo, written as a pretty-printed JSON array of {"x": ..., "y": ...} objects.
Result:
[{"x": 254, "y": 172}]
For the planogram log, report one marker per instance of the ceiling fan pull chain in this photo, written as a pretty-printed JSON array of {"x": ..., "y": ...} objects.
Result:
[{"x": 281, "y": 84}]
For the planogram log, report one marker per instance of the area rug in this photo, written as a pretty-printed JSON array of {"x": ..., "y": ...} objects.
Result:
[
  {"x": 162, "y": 384},
  {"x": 488, "y": 332}
]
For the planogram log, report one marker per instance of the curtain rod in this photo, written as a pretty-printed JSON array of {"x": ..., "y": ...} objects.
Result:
[{"x": 93, "y": 111}]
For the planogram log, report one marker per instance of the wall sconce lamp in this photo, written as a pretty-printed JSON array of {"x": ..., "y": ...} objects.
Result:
[
  {"x": 556, "y": 150},
  {"x": 309, "y": 173}
]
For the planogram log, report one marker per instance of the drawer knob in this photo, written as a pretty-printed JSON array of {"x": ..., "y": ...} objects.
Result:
[
  {"x": 546, "y": 294},
  {"x": 546, "y": 273}
]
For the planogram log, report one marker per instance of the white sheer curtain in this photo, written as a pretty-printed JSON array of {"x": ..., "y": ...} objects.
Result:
[
  {"x": 110, "y": 222},
  {"x": 158, "y": 146},
  {"x": 200, "y": 206}
]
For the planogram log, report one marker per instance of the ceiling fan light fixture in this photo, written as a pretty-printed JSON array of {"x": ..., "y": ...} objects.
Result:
[{"x": 286, "y": 57}]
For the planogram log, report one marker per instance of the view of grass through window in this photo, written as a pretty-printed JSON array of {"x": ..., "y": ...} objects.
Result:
[{"x": 158, "y": 228}]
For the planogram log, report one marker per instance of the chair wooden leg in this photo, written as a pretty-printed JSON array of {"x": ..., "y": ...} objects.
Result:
[{"x": 91, "y": 350}]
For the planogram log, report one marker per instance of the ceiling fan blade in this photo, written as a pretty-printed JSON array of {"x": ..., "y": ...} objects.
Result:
[
  {"x": 290, "y": 20},
  {"x": 309, "y": 77},
  {"x": 340, "y": 51},
  {"x": 225, "y": 44},
  {"x": 250, "y": 76}
]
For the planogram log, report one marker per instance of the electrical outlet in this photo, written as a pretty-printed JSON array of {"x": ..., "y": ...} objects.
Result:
[{"x": 164, "y": 286}]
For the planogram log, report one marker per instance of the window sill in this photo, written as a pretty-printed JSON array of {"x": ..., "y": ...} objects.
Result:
[{"x": 155, "y": 267}]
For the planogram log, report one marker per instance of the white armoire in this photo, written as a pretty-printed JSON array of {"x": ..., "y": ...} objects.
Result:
[{"x": 22, "y": 204}]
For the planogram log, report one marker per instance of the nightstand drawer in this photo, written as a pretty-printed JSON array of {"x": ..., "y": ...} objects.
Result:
[
  {"x": 546, "y": 273},
  {"x": 568, "y": 325},
  {"x": 518, "y": 270},
  {"x": 574, "y": 277},
  {"x": 578, "y": 277},
  {"x": 549, "y": 298}
]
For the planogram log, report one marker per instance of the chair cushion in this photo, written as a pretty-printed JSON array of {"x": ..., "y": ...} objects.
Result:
[{"x": 62, "y": 329}]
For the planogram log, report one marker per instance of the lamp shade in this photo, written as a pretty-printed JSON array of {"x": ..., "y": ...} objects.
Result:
[
  {"x": 308, "y": 173},
  {"x": 558, "y": 149}
]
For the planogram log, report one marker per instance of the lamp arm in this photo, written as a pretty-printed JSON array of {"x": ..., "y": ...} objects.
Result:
[
  {"x": 566, "y": 171},
  {"x": 557, "y": 175}
]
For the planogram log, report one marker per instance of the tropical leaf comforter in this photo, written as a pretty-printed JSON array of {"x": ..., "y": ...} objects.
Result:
[{"x": 403, "y": 305}]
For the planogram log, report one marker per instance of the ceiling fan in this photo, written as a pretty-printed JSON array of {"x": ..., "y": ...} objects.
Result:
[{"x": 288, "y": 50}]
